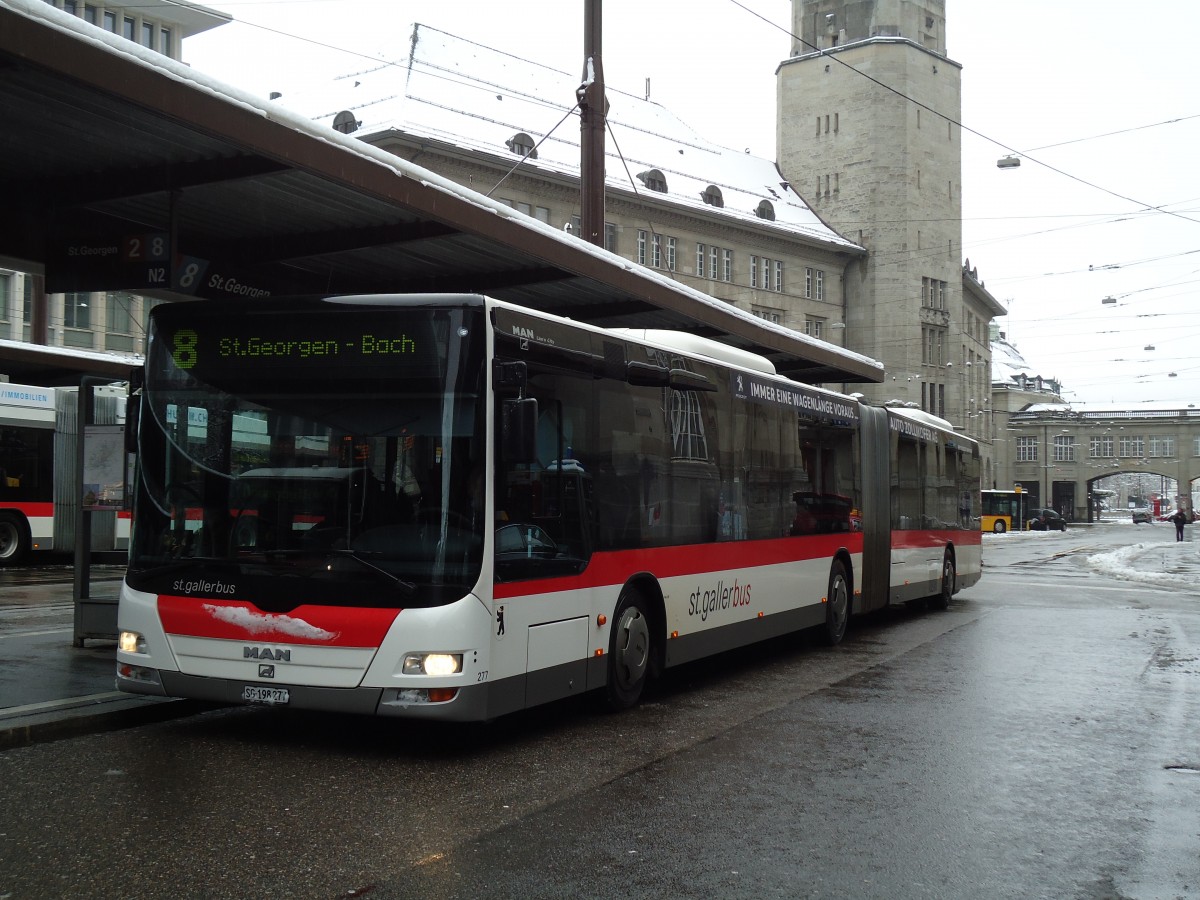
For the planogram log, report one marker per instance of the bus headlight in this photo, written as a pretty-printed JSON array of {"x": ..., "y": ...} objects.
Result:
[
  {"x": 436, "y": 664},
  {"x": 131, "y": 642}
]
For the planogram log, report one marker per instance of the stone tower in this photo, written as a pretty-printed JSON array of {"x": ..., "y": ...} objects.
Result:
[{"x": 867, "y": 133}]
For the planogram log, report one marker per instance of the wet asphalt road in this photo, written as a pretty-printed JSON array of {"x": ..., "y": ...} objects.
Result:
[{"x": 1039, "y": 739}]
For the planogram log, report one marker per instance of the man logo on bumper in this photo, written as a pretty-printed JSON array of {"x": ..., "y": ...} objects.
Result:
[{"x": 266, "y": 671}]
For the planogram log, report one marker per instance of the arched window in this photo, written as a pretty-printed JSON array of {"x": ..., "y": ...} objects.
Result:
[
  {"x": 765, "y": 211},
  {"x": 712, "y": 196},
  {"x": 522, "y": 145},
  {"x": 345, "y": 122},
  {"x": 654, "y": 180}
]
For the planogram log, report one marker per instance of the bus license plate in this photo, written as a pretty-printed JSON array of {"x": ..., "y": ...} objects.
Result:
[{"x": 254, "y": 694}]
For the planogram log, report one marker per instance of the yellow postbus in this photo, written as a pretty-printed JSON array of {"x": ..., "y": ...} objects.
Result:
[{"x": 1000, "y": 509}]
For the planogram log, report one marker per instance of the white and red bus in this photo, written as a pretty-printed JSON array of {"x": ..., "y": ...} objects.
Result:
[
  {"x": 39, "y": 479},
  {"x": 27, "y": 422},
  {"x": 451, "y": 507}
]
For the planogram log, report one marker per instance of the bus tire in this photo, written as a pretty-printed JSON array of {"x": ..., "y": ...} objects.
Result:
[
  {"x": 630, "y": 649},
  {"x": 837, "y": 606},
  {"x": 999, "y": 527},
  {"x": 14, "y": 539},
  {"x": 941, "y": 600}
]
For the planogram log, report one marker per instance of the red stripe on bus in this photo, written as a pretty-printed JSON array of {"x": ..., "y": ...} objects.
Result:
[
  {"x": 694, "y": 559},
  {"x": 236, "y": 620},
  {"x": 31, "y": 510}
]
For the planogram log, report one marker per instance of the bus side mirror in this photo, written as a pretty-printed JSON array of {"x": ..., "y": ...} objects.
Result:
[{"x": 518, "y": 438}]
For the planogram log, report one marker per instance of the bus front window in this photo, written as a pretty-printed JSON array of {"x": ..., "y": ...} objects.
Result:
[{"x": 257, "y": 461}]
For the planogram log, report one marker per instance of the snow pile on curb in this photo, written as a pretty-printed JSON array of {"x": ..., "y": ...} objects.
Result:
[{"x": 1170, "y": 565}]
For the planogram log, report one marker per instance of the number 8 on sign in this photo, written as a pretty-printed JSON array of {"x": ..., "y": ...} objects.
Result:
[{"x": 184, "y": 353}]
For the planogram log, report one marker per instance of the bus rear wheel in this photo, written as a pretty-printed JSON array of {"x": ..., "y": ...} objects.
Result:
[
  {"x": 999, "y": 527},
  {"x": 941, "y": 600},
  {"x": 629, "y": 650},
  {"x": 837, "y": 606},
  {"x": 14, "y": 540}
]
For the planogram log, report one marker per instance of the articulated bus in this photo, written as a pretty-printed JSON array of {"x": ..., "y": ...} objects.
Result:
[
  {"x": 39, "y": 484},
  {"x": 1000, "y": 510},
  {"x": 450, "y": 507}
]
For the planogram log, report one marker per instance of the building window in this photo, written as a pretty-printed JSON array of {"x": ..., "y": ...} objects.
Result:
[
  {"x": 727, "y": 275},
  {"x": 147, "y": 36},
  {"x": 765, "y": 211},
  {"x": 1196, "y": 445},
  {"x": 754, "y": 271},
  {"x": 27, "y": 298},
  {"x": 127, "y": 28},
  {"x": 1027, "y": 449},
  {"x": 820, "y": 284},
  {"x": 164, "y": 42},
  {"x": 641, "y": 247},
  {"x": 522, "y": 145},
  {"x": 766, "y": 274},
  {"x": 110, "y": 22},
  {"x": 1162, "y": 447},
  {"x": 701, "y": 255},
  {"x": 654, "y": 180},
  {"x": 712, "y": 196},
  {"x": 90, "y": 14},
  {"x": 120, "y": 313},
  {"x": 779, "y": 275},
  {"x": 765, "y": 312},
  {"x": 75, "y": 310},
  {"x": 808, "y": 281},
  {"x": 814, "y": 327},
  {"x": 542, "y": 214},
  {"x": 1100, "y": 447},
  {"x": 714, "y": 262},
  {"x": 671, "y": 254},
  {"x": 5, "y": 303},
  {"x": 1064, "y": 448},
  {"x": 1132, "y": 446}
]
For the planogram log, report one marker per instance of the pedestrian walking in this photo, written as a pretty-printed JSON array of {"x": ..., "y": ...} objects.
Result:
[{"x": 1180, "y": 519}]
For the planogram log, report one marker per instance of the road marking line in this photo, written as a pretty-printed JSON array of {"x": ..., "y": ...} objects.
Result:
[
  {"x": 25, "y": 634},
  {"x": 48, "y": 705}
]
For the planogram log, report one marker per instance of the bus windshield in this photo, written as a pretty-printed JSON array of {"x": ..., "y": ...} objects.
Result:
[{"x": 333, "y": 443}]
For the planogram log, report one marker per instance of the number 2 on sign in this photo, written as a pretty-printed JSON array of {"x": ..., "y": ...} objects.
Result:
[{"x": 184, "y": 353}]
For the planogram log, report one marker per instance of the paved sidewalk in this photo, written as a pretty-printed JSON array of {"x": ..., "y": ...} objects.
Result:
[{"x": 49, "y": 688}]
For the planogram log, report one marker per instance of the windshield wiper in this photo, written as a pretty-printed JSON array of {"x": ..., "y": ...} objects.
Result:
[
  {"x": 358, "y": 556},
  {"x": 181, "y": 565}
]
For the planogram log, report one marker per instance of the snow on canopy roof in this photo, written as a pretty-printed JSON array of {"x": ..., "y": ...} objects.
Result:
[{"x": 461, "y": 93}]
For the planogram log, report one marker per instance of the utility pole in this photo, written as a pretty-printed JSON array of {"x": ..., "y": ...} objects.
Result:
[{"x": 593, "y": 108}]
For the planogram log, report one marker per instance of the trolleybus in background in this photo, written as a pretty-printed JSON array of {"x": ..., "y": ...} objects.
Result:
[
  {"x": 451, "y": 507},
  {"x": 39, "y": 484},
  {"x": 1001, "y": 510},
  {"x": 27, "y": 416}
]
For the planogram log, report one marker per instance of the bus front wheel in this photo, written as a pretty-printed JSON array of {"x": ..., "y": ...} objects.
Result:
[
  {"x": 837, "y": 606},
  {"x": 999, "y": 527},
  {"x": 629, "y": 650},
  {"x": 14, "y": 539}
]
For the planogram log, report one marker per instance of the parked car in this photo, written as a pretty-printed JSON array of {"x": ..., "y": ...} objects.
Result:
[
  {"x": 1047, "y": 520},
  {"x": 1143, "y": 515}
]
